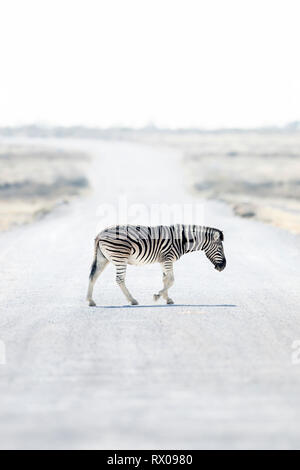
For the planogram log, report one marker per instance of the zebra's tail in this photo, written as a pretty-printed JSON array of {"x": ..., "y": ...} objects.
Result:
[{"x": 94, "y": 263}]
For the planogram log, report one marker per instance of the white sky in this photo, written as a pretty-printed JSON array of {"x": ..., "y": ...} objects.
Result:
[{"x": 175, "y": 63}]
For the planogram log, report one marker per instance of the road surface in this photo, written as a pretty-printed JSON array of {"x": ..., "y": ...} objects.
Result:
[{"x": 216, "y": 370}]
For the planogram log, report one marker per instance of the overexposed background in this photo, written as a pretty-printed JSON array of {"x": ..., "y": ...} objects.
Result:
[{"x": 174, "y": 63}]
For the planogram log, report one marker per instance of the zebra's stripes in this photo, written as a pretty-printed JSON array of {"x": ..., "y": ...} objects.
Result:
[{"x": 135, "y": 244}]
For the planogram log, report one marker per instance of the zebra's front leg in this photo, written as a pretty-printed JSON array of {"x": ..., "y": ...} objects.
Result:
[
  {"x": 168, "y": 281},
  {"x": 120, "y": 278}
]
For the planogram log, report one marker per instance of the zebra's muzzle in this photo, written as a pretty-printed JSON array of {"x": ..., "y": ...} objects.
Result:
[{"x": 221, "y": 266}]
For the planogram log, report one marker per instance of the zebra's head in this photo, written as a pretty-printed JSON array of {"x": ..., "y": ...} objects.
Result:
[{"x": 214, "y": 249}]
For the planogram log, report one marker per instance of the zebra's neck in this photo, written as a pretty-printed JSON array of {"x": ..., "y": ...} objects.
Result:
[{"x": 195, "y": 239}]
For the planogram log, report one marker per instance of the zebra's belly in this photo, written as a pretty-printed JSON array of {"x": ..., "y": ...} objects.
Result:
[{"x": 139, "y": 260}]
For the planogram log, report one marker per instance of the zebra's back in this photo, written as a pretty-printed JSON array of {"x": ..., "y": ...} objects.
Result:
[{"x": 140, "y": 244}]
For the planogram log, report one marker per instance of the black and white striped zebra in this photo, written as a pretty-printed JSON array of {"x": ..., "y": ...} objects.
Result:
[{"x": 135, "y": 244}]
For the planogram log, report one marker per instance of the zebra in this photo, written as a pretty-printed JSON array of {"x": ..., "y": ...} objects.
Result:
[{"x": 135, "y": 244}]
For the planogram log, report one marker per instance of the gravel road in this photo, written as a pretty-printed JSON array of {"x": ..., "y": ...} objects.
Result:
[{"x": 216, "y": 370}]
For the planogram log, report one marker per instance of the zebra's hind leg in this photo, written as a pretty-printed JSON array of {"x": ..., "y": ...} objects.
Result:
[
  {"x": 100, "y": 262},
  {"x": 120, "y": 278},
  {"x": 168, "y": 281}
]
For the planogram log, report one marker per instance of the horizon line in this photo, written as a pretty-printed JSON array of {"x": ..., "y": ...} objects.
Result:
[{"x": 291, "y": 125}]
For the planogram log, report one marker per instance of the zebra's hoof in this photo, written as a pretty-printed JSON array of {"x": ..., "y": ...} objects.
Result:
[
  {"x": 92, "y": 303},
  {"x": 156, "y": 297},
  {"x": 170, "y": 301},
  {"x": 134, "y": 302}
]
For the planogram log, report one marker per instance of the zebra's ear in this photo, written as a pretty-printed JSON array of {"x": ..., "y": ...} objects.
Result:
[{"x": 218, "y": 236}]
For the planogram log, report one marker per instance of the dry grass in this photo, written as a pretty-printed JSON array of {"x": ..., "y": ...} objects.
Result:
[
  {"x": 257, "y": 173},
  {"x": 34, "y": 180}
]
